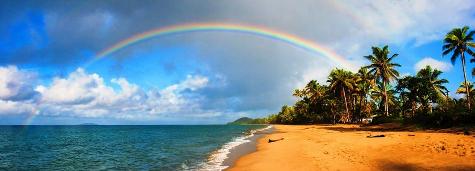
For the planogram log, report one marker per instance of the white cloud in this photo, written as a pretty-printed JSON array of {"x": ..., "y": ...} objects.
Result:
[
  {"x": 16, "y": 91},
  {"x": 87, "y": 95},
  {"x": 77, "y": 88},
  {"x": 402, "y": 21},
  {"x": 16, "y": 84},
  {"x": 436, "y": 64},
  {"x": 81, "y": 94},
  {"x": 16, "y": 107}
]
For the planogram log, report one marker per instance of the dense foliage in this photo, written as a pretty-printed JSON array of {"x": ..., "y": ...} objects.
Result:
[{"x": 378, "y": 92}]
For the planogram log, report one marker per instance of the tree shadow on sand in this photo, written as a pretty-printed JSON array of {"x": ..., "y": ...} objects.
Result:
[
  {"x": 368, "y": 128},
  {"x": 392, "y": 165},
  {"x": 391, "y": 128}
]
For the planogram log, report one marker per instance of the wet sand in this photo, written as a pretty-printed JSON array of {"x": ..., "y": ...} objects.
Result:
[
  {"x": 245, "y": 148},
  {"x": 346, "y": 147}
]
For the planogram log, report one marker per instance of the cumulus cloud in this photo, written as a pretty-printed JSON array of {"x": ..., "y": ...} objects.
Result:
[
  {"x": 88, "y": 95},
  {"x": 16, "y": 91},
  {"x": 15, "y": 84},
  {"x": 17, "y": 107},
  {"x": 77, "y": 88},
  {"x": 436, "y": 64},
  {"x": 81, "y": 94},
  {"x": 82, "y": 88}
]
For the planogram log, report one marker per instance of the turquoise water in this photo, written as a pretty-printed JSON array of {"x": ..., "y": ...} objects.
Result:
[{"x": 114, "y": 147}]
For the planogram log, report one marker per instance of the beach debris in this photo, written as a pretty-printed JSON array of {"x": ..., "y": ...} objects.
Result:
[
  {"x": 411, "y": 135},
  {"x": 375, "y": 136},
  {"x": 325, "y": 152},
  {"x": 271, "y": 140}
]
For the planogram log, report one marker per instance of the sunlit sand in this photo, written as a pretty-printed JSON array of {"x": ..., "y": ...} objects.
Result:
[{"x": 346, "y": 147}]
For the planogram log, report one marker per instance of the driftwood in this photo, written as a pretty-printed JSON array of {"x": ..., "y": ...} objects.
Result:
[
  {"x": 271, "y": 140},
  {"x": 374, "y": 136}
]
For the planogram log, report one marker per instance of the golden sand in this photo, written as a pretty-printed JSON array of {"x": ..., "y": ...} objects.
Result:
[{"x": 346, "y": 147}]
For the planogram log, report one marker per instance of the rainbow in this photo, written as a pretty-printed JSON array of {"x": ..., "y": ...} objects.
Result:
[
  {"x": 290, "y": 39},
  {"x": 238, "y": 28}
]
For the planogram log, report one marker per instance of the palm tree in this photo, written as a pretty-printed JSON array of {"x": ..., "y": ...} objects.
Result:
[
  {"x": 432, "y": 78},
  {"x": 341, "y": 82},
  {"x": 456, "y": 41},
  {"x": 430, "y": 81},
  {"x": 379, "y": 97},
  {"x": 287, "y": 114},
  {"x": 299, "y": 93},
  {"x": 408, "y": 88},
  {"x": 330, "y": 101},
  {"x": 364, "y": 83},
  {"x": 314, "y": 90},
  {"x": 463, "y": 90},
  {"x": 383, "y": 69}
]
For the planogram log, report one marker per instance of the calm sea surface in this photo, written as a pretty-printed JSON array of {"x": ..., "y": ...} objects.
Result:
[{"x": 114, "y": 147}]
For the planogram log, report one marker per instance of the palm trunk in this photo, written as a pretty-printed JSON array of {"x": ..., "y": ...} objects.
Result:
[
  {"x": 332, "y": 110},
  {"x": 365, "y": 105},
  {"x": 466, "y": 83},
  {"x": 354, "y": 106},
  {"x": 413, "y": 109},
  {"x": 334, "y": 116},
  {"x": 402, "y": 106},
  {"x": 361, "y": 108},
  {"x": 346, "y": 103},
  {"x": 386, "y": 113},
  {"x": 430, "y": 107}
]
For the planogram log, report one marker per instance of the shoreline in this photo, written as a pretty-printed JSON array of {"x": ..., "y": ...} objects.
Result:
[
  {"x": 346, "y": 147},
  {"x": 229, "y": 153},
  {"x": 246, "y": 148}
]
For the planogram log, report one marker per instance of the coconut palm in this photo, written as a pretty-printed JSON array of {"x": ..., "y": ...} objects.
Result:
[
  {"x": 299, "y": 93},
  {"x": 430, "y": 81},
  {"x": 380, "y": 99},
  {"x": 314, "y": 90},
  {"x": 311, "y": 93},
  {"x": 364, "y": 83},
  {"x": 463, "y": 88},
  {"x": 377, "y": 94},
  {"x": 341, "y": 82},
  {"x": 383, "y": 68},
  {"x": 456, "y": 42},
  {"x": 408, "y": 88}
]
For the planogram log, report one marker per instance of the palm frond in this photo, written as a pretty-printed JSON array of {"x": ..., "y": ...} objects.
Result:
[
  {"x": 447, "y": 51},
  {"x": 455, "y": 55},
  {"x": 471, "y": 44},
  {"x": 470, "y": 52}
]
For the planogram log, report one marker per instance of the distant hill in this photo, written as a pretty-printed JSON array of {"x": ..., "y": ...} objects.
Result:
[{"x": 247, "y": 120}]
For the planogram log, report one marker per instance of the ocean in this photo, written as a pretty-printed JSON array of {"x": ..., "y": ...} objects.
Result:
[{"x": 89, "y": 147}]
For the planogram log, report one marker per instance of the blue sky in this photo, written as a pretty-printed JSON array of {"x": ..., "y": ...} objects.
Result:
[{"x": 199, "y": 77}]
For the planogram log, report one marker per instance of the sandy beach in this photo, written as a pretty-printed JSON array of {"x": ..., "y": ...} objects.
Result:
[{"x": 346, "y": 147}]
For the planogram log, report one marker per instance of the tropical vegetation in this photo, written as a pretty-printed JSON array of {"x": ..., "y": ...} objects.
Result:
[{"x": 378, "y": 93}]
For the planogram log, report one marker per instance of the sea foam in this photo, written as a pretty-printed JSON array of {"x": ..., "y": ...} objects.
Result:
[{"x": 217, "y": 158}]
